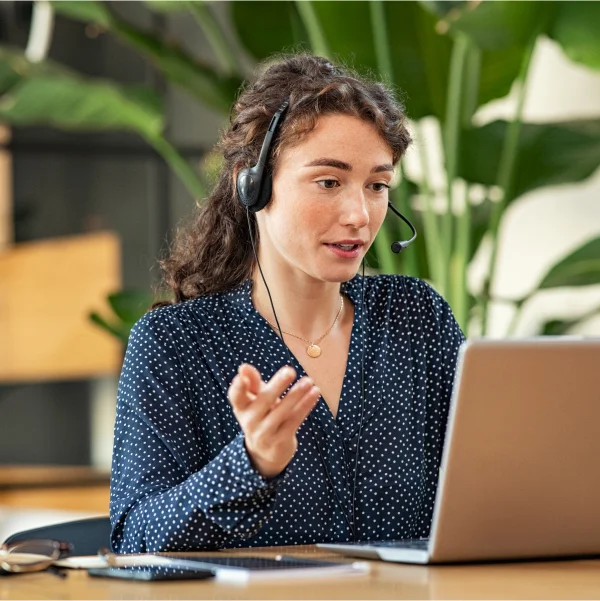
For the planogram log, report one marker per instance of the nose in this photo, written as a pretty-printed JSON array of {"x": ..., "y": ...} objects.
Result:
[{"x": 355, "y": 210}]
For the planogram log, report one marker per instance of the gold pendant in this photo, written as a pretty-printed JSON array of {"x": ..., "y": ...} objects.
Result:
[{"x": 313, "y": 351}]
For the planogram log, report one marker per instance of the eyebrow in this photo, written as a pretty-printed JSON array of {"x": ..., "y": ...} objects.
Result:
[{"x": 326, "y": 162}]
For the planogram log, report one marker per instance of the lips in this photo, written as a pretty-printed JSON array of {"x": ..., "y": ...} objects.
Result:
[
  {"x": 346, "y": 244},
  {"x": 347, "y": 249}
]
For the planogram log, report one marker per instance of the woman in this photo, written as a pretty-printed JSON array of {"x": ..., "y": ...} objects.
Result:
[{"x": 210, "y": 451}]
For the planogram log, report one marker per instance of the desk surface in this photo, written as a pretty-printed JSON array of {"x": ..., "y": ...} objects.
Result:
[
  {"x": 540, "y": 580},
  {"x": 50, "y": 476}
]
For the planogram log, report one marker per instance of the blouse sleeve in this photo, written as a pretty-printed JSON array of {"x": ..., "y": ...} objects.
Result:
[{"x": 166, "y": 493}]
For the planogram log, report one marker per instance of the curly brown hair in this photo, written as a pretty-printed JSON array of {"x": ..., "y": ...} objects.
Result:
[{"x": 214, "y": 252}]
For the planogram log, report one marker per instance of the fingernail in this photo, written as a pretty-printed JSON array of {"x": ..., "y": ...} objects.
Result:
[{"x": 305, "y": 383}]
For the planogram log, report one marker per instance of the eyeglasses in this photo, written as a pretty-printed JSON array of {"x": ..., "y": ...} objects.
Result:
[{"x": 33, "y": 556}]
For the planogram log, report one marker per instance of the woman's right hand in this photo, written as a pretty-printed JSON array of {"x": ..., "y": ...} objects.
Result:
[{"x": 268, "y": 419}]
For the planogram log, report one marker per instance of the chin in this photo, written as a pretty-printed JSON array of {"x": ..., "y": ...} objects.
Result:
[{"x": 339, "y": 274}]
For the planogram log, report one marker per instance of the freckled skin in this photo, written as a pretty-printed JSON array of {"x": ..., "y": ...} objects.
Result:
[{"x": 313, "y": 205}]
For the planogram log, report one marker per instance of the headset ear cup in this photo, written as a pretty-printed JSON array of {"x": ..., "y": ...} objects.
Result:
[
  {"x": 246, "y": 187},
  {"x": 264, "y": 195}
]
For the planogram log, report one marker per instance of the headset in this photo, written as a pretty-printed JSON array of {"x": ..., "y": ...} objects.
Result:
[{"x": 254, "y": 186}]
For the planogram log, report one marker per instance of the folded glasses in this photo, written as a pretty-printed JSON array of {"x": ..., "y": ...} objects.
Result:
[{"x": 34, "y": 555}]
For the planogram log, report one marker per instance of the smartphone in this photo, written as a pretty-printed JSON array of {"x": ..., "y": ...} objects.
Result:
[{"x": 152, "y": 573}]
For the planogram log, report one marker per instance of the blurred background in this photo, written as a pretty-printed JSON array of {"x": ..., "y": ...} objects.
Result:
[{"x": 108, "y": 115}]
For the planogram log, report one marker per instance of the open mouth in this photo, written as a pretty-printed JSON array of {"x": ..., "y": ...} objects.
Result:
[
  {"x": 346, "y": 251},
  {"x": 345, "y": 246}
]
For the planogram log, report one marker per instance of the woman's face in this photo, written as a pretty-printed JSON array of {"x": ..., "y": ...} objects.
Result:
[{"x": 330, "y": 195}]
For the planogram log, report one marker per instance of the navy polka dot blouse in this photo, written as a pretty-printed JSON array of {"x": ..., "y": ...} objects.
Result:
[{"x": 181, "y": 477}]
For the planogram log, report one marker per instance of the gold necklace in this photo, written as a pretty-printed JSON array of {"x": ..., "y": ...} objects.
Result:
[{"x": 314, "y": 350}]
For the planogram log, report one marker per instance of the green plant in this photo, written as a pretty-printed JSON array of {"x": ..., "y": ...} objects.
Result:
[
  {"x": 126, "y": 307},
  {"x": 449, "y": 58}
]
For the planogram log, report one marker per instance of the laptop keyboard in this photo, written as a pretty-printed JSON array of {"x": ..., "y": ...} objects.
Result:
[
  {"x": 255, "y": 563},
  {"x": 418, "y": 543}
]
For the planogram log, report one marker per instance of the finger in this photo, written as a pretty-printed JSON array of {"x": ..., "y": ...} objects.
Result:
[
  {"x": 238, "y": 394},
  {"x": 253, "y": 375},
  {"x": 299, "y": 412},
  {"x": 281, "y": 412},
  {"x": 273, "y": 389},
  {"x": 283, "y": 405}
]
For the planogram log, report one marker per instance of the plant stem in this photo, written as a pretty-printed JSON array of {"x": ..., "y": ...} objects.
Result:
[
  {"x": 215, "y": 36},
  {"x": 384, "y": 64},
  {"x": 514, "y": 320},
  {"x": 506, "y": 174},
  {"x": 380, "y": 39},
  {"x": 459, "y": 293},
  {"x": 401, "y": 200},
  {"x": 385, "y": 256},
  {"x": 459, "y": 298},
  {"x": 180, "y": 166},
  {"x": 452, "y": 130},
  {"x": 316, "y": 36},
  {"x": 433, "y": 244}
]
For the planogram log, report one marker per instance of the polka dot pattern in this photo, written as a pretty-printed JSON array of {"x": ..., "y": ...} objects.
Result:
[{"x": 181, "y": 478}]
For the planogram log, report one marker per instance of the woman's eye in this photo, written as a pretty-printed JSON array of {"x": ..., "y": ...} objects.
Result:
[
  {"x": 381, "y": 187},
  {"x": 326, "y": 183}
]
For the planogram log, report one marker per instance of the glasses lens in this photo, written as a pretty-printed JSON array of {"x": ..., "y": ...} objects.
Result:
[{"x": 27, "y": 555}]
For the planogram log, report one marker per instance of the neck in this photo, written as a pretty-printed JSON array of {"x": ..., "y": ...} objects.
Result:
[{"x": 305, "y": 307}]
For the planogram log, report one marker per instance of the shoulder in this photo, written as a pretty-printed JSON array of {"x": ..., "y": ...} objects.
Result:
[
  {"x": 408, "y": 287},
  {"x": 412, "y": 298},
  {"x": 176, "y": 320}
]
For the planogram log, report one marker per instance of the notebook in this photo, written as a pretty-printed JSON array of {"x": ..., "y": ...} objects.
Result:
[{"x": 238, "y": 568}]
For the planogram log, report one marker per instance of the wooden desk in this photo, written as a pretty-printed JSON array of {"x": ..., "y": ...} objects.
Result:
[
  {"x": 55, "y": 487},
  {"x": 541, "y": 580}
]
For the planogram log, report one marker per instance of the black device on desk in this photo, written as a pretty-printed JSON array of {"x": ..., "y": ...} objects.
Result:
[{"x": 152, "y": 573}]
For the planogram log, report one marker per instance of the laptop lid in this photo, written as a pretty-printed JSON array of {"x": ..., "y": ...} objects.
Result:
[{"x": 520, "y": 473}]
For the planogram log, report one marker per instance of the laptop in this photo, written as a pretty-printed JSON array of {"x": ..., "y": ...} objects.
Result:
[{"x": 520, "y": 470}]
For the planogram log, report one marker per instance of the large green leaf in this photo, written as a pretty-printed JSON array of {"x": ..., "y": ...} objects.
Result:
[
  {"x": 88, "y": 11},
  {"x": 550, "y": 154},
  {"x": 48, "y": 94},
  {"x": 354, "y": 41},
  {"x": 215, "y": 90},
  {"x": 265, "y": 28},
  {"x": 502, "y": 30},
  {"x": 441, "y": 8},
  {"x": 117, "y": 329},
  {"x": 576, "y": 28},
  {"x": 130, "y": 305},
  {"x": 419, "y": 55},
  {"x": 75, "y": 104},
  {"x": 559, "y": 327},
  {"x": 420, "y": 58},
  {"x": 9, "y": 76},
  {"x": 168, "y": 6},
  {"x": 499, "y": 25},
  {"x": 579, "y": 268},
  {"x": 499, "y": 69}
]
